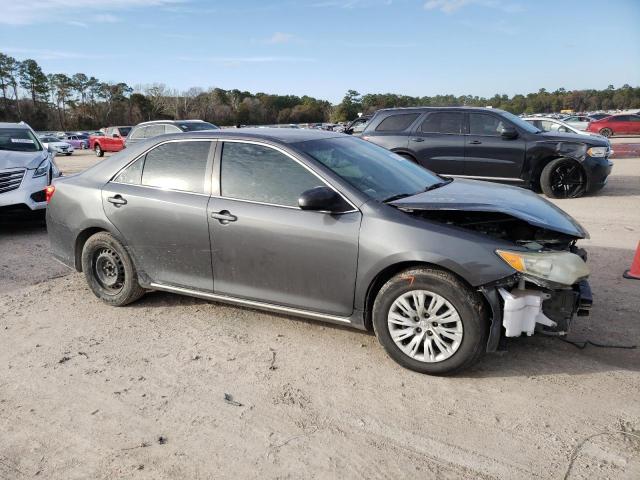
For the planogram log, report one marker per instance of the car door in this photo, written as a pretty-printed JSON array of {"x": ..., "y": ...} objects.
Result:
[
  {"x": 633, "y": 125},
  {"x": 264, "y": 247},
  {"x": 159, "y": 205},
  {"x": 438, "y": 142},
  {"x": 488, "y": 154}
]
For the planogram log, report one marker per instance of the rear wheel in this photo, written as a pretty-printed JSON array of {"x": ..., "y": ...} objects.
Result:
[
  {"x": 99, "y": 151},
  {"x": 606, "y": 132},
  {"x": 563, "y": 178},
  {"x": 430, "y": 322},
  {"x": 109, "y": 270}
]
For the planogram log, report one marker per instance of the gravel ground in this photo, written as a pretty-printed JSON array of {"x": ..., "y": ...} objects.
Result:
[{"x": 88, "y": 391}]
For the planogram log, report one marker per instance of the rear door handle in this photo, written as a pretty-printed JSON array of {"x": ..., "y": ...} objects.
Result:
[
  {"x": 117, "y": 200},
  {"x": 418, "y": 139},
  {"x": 475, "y": 142},
  {"x": 224, "y": 217}
]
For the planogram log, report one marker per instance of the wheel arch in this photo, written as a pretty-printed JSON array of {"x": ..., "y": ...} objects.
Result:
[
  {"x": 390, "y": 271},
  {"x": 81, "y": 239}
]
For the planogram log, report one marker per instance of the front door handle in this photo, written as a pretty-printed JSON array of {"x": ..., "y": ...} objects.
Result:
[
  {"x": 117, "y": 200},
  {"x": 475, "y": 142},
  {"x": 418, "y": 139},
  {"x": 224, "y": 217}
]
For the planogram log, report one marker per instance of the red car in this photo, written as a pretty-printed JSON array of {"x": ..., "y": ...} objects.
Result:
[
  {"x": 112, "y": 140},
  {"x": 616, "y": 125}
]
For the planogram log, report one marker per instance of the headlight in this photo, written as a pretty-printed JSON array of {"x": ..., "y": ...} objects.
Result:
[
  {"x": 42, "y": 169},
  {"x": 559, "y": 267},
  {"x": 597, "y": 151}
]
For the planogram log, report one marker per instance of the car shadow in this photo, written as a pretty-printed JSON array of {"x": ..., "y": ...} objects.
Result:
[
  {"x": 22, "y": 222},
  {"x": 620, "y": 186}
]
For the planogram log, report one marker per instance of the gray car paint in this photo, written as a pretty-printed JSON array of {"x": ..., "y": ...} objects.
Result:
[{"x": 318, "y": 262}]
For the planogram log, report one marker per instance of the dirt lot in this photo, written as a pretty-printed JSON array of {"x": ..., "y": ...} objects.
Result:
[{"x": 88, "y": 391}]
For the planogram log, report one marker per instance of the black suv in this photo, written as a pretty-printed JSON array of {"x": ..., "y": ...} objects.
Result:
[
  {"x": 145, "y": 130},
  {"x": 491, "y": 144}
]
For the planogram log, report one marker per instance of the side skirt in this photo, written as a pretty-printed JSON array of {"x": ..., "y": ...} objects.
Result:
[{"x": 254, "y": 304}]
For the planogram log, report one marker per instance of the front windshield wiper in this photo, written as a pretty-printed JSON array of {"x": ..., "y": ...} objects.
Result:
[
  {"x": 439, "y": 184},
  {"x": 397, "y": 197}
]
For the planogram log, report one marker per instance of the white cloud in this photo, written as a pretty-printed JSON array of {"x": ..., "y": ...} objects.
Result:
[
  {"x": 280, "y": 37},
  {"x": 450, "y": 6},
  {"x": 26, "y": 12}
]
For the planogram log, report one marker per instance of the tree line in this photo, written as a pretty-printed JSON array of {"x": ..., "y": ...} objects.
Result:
[{"x": 57, "y": 101}]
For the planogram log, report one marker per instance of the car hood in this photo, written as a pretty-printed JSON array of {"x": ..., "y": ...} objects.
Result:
[
  {"x": 9, "y": 159},
  {"x": 591, "y": 140},
  {"x": 478, "y": 196}
]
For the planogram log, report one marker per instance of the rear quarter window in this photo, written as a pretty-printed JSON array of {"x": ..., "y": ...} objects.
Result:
[{"x": 397, "y": 123}]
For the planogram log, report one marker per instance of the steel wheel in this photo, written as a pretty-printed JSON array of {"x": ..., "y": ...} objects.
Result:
[
  {"x": 567, "y": 180},
  {"x": 425, "y": 326},
  {"x": 108, "y": 270}
]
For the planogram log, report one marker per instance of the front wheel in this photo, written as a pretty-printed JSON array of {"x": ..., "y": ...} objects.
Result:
[
  {"x": 606, "y": 132},
  {"x": 430, "y": 322},
  {"x": 563, "y": 178},
  {"x": 99, "y": 151},
  {"x": 109, "y": 270}
]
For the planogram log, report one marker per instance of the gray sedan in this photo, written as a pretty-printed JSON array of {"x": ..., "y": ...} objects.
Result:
[{"x": 325, "y": 226}]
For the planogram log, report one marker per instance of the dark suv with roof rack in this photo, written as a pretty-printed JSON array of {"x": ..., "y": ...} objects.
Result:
[{"x": 491, "y": 144}]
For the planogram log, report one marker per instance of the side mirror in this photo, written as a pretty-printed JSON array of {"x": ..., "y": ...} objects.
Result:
[
  {"x": 348, "y": 131},
  {"x": 115, "y": 135},
  {"x": 322, "y": 199},
  {"x": 509, "y": 133},
  {"x": 52, "y": 152}
]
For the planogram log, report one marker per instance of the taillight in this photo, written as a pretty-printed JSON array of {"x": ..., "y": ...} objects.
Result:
[{"x": 48, "y": 193}]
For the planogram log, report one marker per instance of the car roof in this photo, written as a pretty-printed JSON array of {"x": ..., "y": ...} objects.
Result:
[
  {"x": 173, "y": 122},
  {"x": 14, "y": 125},
  {"x": 427, "y": 109},
  {"x": 281, "y": 135}
]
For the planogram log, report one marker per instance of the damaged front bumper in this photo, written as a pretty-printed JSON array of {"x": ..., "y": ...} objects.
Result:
[{"x": 519, "y": 307}]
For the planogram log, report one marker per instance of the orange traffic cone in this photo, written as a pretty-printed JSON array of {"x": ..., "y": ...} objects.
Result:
[{"x": 634, "y": 271}]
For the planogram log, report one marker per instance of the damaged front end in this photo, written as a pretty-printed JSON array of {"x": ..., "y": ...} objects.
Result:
[{"x": 549, "y": 286}]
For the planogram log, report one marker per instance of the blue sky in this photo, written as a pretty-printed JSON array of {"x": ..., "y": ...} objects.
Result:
[{"x": 324, "y": 47}]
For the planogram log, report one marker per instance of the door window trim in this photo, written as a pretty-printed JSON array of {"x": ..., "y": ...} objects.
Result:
[
  {"x": 208, "y": 169},
  {"x": 217, "y": 177}
]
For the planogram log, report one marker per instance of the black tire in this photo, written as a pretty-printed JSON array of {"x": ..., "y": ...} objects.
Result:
[
  {"x": 466, "y": 302},
  {"x": 563, "y": 178},
  {"x": 606, "y": 132},
  {"x": 109, "y": 270},
  {"x": 99, "y": 151}
]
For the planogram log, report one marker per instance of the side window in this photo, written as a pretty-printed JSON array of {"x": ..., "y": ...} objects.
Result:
[
  {"x": 621, "y": 118},
  {"x": 154, "y": 131},
  {"x": 358, "y": 127},
  {"x": 138, "y": 133},
  {"x": 262, "y": 174},
  {"x": 443, "y": 122},
  {"x": 171, "y": 129},
  {"x": 132, "y": 174},
  {"x": 397, "y": 123},
  {"x": 177, "y": 166},
  {"x": 484, "y": 124},
  {"x": 633, "y": 118}
]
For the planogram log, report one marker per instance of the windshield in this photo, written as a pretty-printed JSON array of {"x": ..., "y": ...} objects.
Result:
[
  {"x": 373, "y": 170},
  {"x": 18, "y": 140},
  {"x": 526, "y": 126},
  {"x": 195, "y": 126},
  {"x": 124, "y": 131}
]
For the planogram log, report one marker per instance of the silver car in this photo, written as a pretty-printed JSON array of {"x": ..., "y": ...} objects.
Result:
[
  {"x": 329, "y": 227},
  {"x": 26, "y": 168}
]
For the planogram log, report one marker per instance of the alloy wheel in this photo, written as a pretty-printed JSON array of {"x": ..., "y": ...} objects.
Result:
[
  {"x": 425, "y": 326},
  {"x": 567, "y": 180}
]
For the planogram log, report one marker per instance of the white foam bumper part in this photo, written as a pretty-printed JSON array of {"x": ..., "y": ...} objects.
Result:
[{"x": 522, "y": 310}]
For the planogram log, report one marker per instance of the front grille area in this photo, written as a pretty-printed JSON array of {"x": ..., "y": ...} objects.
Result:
[{"x": 10, "y": 180}]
